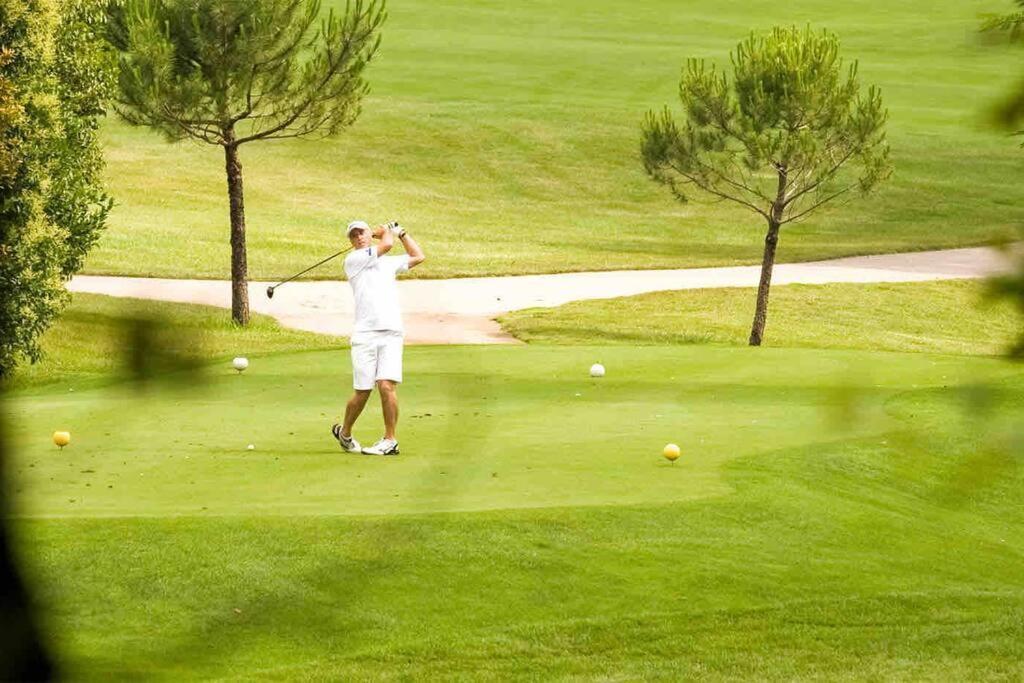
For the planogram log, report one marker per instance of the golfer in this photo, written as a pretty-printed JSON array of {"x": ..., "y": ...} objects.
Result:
[{"x": 377, "y": 334}]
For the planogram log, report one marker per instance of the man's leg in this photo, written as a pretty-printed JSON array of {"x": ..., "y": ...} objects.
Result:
[
  {"x": 353, "y": 409},
  {"x": 364, "y": 369},
  {"x": 389, "y": 405}
]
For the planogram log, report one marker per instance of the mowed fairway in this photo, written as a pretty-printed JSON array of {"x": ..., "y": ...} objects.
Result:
[
  {"x": 835, "y": 514},
  {"x": 506, "y": 136},
  {"x": 483, "y": 428}
]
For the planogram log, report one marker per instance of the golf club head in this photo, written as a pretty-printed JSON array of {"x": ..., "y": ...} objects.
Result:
[{"x": 270, "y": 292}]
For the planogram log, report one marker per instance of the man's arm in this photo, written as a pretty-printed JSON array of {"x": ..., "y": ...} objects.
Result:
[
  {"x": 386, "y": 239},
  {"x": 416, "y": 256}
]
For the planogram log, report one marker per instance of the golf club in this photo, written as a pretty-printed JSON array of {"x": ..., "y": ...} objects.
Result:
[{"x": 271, "y": 288}]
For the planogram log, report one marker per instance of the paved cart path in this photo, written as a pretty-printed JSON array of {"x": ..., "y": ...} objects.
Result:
[{"x": 462, "y": 310}]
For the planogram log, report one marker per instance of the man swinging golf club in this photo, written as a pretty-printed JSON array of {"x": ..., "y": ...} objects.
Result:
[{"x": 377, "y": 334}]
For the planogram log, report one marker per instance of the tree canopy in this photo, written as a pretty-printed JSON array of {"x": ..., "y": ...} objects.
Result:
[
  {"x": 197, "y": 68},
  {"x": 55, "y": 76}
]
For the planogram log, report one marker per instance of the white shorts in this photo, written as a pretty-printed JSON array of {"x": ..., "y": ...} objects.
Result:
[{"x": 375, "y": 356}]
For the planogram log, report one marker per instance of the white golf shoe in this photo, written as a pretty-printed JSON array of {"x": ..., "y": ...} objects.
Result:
[
  {"x": 348, "y": 443},
  {"x": 382, "y": 447}
]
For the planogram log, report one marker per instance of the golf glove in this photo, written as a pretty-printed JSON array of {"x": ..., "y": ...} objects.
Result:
[{"x": 396, "y": 230}]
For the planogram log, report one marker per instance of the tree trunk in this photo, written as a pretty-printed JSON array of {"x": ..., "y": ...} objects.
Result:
[
  {"x": 771, "y": 240},
  {"x": 239, "y": 266}
]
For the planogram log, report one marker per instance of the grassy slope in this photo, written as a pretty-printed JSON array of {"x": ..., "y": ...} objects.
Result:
[
  {"x": 837, "y": 514},
  {"x": 90, "y": 342},
  {"x": 939, "y": 317},
  {"x": 506, "y": 134}
]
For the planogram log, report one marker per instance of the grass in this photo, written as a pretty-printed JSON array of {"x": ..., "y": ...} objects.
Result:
[
  {"x": 94, "y": 337},
  {"x": 505, "y": 135},
  {"x": 952, "y": 316},
  {"x": 837, "y": 514}
]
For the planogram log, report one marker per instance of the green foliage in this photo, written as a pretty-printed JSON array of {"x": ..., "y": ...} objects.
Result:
[
  {"x": 202, "y": 68},
  {"x": 779, "y": 135},
  {"x": 83, "y": 78},
  {"x": 54, "y": 78}
]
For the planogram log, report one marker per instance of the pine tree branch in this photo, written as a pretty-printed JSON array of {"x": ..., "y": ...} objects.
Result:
[
  {"x": 740, "y": 172},
  {"x": 713, "y": 191},
  {"x": 247, "y": 112},
  {"x": 822, "y": 178},
  {"x": 288, "y": 49},
  {"x": 300, "y": 109},
  {"x": 818, "y": 204},
  {"x": 336, "y": 61}
]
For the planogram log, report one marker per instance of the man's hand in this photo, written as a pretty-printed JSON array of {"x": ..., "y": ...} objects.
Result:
[
  {"x": 386, "y": 237},
  {"x": 396, "y": 230},
  {"x": 379, "y": 231}
]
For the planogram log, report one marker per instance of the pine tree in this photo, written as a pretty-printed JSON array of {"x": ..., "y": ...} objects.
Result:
[
  {"x": 779, "y": 138},
  {"x": 231, "y": 72}
]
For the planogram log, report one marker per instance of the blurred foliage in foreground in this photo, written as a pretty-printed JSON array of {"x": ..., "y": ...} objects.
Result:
[{"x": 1008, "y": 114}]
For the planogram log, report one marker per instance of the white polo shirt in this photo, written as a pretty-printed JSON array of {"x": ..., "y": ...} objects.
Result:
[{"x": 372, "y": 278}]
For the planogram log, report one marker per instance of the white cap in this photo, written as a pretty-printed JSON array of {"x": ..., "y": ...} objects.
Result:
[{"x": 356, "y": 225}]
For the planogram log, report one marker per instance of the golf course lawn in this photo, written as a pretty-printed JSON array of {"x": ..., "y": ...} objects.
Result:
[
  {"x": 506, "y": 137},
  {"x": 950, "y": 316},
  {"x": 835, "y": 514},
  {"x": 90, "y": 341}
]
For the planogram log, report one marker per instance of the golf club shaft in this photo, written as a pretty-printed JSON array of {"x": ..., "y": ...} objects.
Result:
[{"x": 315, "y": 265}]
